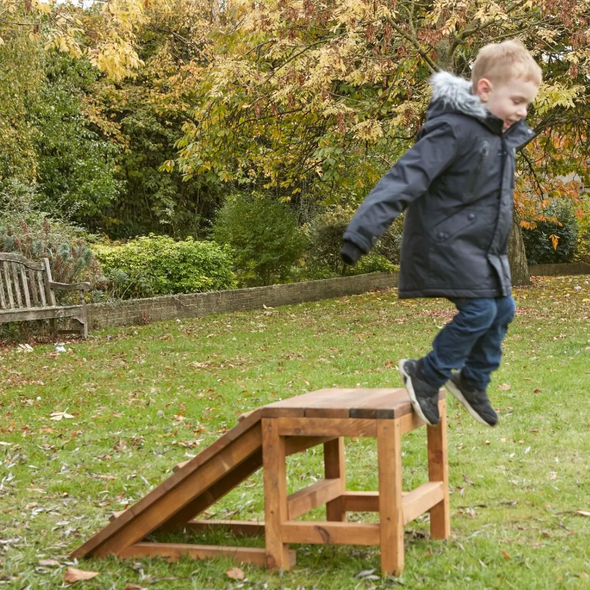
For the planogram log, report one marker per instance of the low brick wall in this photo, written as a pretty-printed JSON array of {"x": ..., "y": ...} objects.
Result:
[
  {"x": 169, "y": 307},
  {"x": 557, "y": 270}
]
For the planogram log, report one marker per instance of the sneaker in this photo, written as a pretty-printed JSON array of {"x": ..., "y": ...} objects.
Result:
[
  {"x": 475, "y": 400},
  {"x": 424, "y": 397}
]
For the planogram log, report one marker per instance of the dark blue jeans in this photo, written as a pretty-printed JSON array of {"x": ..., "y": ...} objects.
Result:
[{"x": 472, "y": 342}]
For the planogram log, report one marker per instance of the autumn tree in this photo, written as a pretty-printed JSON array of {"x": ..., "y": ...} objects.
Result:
[{"x": 318, "y": 99}]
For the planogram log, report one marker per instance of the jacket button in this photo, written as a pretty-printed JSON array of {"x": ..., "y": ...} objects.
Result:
[{"x": 471, "y": 216}]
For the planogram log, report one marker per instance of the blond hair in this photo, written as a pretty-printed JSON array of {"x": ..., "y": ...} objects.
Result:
[{"x": 502, "y": 62}]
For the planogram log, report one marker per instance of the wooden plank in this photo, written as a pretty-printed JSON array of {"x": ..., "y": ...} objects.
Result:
[
  {"x": 275, "y": 494},
  {"x": 174, "y": 551},
  {"x": 310, "y": 497},
  {"x": 409, "y": 422},
  {"x": 438, "y": 471},
  {"x": 25, "y": 285},
  {"x": 391, "y": 516},
  {"x": 40, "y": 313},
  {"x": 3, "y": 300},
  {"x": 214, "y": 493},
  {"x": 360, "y": 501},
  {"x": 332, "y": 427},
  {"x": 296, "y": 444},
  {"x": 385, "y": 404},
  {"x": 335, "y": 468},
  {"x": 16, "y": 285},
  {"x": 169, "y": 497},
  {"x": 293, "y": 445},
  {"x": 242, "y": 528},
  {"x": 331, "y": 533},
  {"x": 8, "y": 283},
  {"x": 296, "y": 406},
  {"x": 336, "y": 406},
  {"x": 422, "y": 499},
  {"x": 49, "y": 294},
  {"x": 41, "y": 286},
  {"x": 20, "y": 259},
  {"x": 33, "y": 286}
]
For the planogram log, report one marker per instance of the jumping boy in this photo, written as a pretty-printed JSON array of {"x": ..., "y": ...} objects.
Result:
[{"x": 457, "y": 183}]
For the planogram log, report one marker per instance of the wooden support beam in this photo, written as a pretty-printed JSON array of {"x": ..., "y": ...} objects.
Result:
[
  {"x": 174, "y": 551},
  {"x": 334, "y": 468},
  {"x": 360, "y": 501},
  {"x": 422, "y": 499},
  {"x": 330, "y": 533},
  {"x": 242, "y": 528},
  {"x": 275, "y": 494},
  {"x": 312, "y": 496},
  {"x": 332, "y": 427},
  {"x": 391, "y": 517},
  {"x": 438, "y": 471}
]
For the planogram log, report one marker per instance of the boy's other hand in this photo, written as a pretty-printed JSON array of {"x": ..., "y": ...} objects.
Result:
[{"x": 350, "y": 253}]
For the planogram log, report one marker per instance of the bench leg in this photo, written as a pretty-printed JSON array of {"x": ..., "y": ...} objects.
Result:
[
  {"x": 334, "y": 469},
  {"x": 391, "y": 514},
  {"x": 438, "y": 470},
  {"x": 275, "y": 495}
]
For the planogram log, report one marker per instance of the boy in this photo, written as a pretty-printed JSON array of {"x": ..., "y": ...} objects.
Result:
[{"x": 456, "y": 183}]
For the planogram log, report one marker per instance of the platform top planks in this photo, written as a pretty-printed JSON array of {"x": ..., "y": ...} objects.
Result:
[{"x": 376, "y": 404}]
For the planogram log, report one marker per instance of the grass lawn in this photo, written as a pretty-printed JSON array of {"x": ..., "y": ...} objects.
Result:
[{"x": 134, "y": 402}]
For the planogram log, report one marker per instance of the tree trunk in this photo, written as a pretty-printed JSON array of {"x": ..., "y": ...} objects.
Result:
[{"x": 517, "y": 256}]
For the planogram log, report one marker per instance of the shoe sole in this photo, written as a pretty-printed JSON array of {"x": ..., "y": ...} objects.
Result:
[
  {"x": 452, "y": 388},
  {"x": 408, "y": 383}
]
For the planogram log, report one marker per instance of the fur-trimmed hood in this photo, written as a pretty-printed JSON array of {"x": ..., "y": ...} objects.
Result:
[{"x": 455, "y": 94}]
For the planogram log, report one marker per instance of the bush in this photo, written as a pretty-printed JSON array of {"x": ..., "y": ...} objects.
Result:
[
  {"x": 264, "y": 236},
  {"x": 324, "y": 238},
  {"x": 158, "y": 265},
  {"x": 30, "y": 232},
  {"x": 582, "y": 252},
  {"x": 541, "y": 247}
]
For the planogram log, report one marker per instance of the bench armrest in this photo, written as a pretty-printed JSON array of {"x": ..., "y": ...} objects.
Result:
[{"x": 70, "y": 287}]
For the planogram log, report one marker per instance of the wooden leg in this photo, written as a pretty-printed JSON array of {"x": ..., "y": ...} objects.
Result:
[
  {"x": 438, "y": 470},
  {"x": 334, "y": 469},
  {"x": 391, "y": 514},
  {"x": 53, "y": 326},
  {"x": 275, "y": 494}
]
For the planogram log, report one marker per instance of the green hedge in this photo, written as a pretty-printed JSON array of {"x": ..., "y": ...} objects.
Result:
[{"x": 159, "y": 265}]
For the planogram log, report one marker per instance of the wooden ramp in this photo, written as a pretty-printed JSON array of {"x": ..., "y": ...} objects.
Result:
[
  {"x": 194, "y": 486},
  {"x": 264, "y": 438}
]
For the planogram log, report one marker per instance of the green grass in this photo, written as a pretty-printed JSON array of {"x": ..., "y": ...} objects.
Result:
[{"x": 143, "y": 399}]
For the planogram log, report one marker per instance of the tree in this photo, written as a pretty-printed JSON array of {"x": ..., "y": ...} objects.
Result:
[{"x": 320, "y": 98}]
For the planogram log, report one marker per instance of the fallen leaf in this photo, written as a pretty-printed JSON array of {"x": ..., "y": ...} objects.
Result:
[
  {"x": 133, "y": 587},
  {"x": 506, "y": 555},
  {"x": 504, "y": 387},
  {"x": 74, "y": 575},
  {"x": 235, "y": 573},
  {"x": 59, "y": 415},
  {"x": 583, "y": 512}
]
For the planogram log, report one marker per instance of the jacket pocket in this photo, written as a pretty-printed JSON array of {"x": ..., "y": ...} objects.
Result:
[
  {"x": 478, "y": 164},
  {"x": 452, "y": 225}
]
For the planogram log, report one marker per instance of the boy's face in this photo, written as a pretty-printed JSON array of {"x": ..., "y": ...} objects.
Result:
[{"x": 508, "y": 101}]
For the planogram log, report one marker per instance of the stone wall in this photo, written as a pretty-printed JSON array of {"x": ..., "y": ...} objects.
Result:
[
  {"x": 168, "y": 307},
  {"x": 559, "y": 270}
]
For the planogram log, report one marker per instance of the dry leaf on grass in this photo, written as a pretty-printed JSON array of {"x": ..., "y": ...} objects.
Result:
[
  {"x": 133, "y": 587},
  {"x": 49, "y": 563},
  {"x": 235, "y": 573},
  {"x": 583, "y": 512},
  {"x": 74, "y": 575}
]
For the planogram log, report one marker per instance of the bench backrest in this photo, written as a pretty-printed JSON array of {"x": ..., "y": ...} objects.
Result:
[{"x": 24, "y": 283}]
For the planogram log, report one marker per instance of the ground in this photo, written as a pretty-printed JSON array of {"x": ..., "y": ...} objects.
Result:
[{"x": 88, "y": 431}]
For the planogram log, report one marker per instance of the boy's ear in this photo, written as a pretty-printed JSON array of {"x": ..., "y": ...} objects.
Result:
[{"x": 484, "y": 88}]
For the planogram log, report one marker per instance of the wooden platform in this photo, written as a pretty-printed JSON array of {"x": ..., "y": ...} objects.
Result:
[{"x": 264, "y": 438}]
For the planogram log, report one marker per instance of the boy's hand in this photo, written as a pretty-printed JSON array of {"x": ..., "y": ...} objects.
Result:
[{"x": 350, "y": 253}]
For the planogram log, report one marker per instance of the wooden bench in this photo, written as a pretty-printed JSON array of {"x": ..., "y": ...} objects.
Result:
[{"x": 27, "y": 292}]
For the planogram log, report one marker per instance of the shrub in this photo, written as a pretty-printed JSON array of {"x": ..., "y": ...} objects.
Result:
[
  {"x": 324, "y": 238},
  {"x": 264, "y": 236},
  {"x": 554, "y": 240},
  {"x": 159, "y": 265},
  {"x": 582, "y": 252},
  {"x": 30, "y": 232}
]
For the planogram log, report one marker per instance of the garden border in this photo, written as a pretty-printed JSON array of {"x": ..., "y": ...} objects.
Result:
[{"x": 170, "y": 307}]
